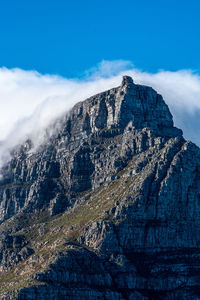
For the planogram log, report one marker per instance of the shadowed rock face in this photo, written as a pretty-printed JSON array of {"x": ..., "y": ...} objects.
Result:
[{"x": 109, "y": 208}]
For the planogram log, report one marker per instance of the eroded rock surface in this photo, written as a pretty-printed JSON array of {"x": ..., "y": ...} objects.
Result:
[{"x": 109, "y": 208}]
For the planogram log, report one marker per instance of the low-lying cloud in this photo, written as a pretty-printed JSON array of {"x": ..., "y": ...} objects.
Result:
[{"x": 30, "y": 101}]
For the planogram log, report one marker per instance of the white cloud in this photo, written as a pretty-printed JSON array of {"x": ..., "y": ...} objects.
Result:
[
  {"x": 29, "y": 101},
  {"x": 108, "y": 69}
]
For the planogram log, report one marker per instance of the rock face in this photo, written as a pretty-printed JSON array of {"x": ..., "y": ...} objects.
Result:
[{"x": 108, "y": 208}]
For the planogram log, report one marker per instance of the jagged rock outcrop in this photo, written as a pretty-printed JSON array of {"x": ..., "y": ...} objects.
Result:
[
  {"x": 109, "y": 208},
  {"x": 87, "y": 149}
]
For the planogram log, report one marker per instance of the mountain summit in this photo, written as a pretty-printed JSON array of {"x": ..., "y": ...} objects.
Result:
[{"x": 107, "y": 208}]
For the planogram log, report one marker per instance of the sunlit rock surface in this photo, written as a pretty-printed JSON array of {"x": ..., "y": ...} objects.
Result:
[{"x": 108, "y": 208}]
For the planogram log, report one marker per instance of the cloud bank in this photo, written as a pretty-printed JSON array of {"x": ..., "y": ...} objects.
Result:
[{"x": 30, "y": 101}]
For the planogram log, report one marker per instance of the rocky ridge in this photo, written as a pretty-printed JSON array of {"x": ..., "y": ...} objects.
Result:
[{"x": 107, "y": 209}]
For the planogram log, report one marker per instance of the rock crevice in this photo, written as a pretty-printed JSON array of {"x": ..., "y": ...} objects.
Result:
[{"x": 108, "y": 208}]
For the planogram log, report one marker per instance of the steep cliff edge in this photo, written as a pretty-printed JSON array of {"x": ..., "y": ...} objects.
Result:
[{"x": 108, "y": 208}]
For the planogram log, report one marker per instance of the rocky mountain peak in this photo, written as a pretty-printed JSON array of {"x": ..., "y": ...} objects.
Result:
[
  {"x": 108, "y": 208},
  {"x": 117, "y": 107},
  {"x": 127, "y": 80}
]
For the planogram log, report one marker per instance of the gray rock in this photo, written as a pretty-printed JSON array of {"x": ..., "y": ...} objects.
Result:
[{"x": 145, "y": 242}]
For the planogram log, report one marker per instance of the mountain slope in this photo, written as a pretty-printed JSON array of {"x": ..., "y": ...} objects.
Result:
[{"x": 108, "y": 208}]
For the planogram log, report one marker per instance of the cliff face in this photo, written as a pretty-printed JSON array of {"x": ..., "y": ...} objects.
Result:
[
  {"x": 97, "y": 139},
  {"x": 108, "y": 208}
]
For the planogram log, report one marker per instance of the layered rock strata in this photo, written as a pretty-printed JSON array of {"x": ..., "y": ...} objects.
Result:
[{"x": 108, "y": 208}]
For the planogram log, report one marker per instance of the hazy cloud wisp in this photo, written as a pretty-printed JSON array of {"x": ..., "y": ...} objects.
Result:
[{"x": 29, "y": 101}]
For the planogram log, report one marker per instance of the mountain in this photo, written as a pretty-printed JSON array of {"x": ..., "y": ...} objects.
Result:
[{"x": 107, "y": 208}]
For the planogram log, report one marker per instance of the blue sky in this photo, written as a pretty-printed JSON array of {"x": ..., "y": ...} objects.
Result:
[
  {"x": 68, "y": 37},
  {"x": 91, "y": 44}
]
